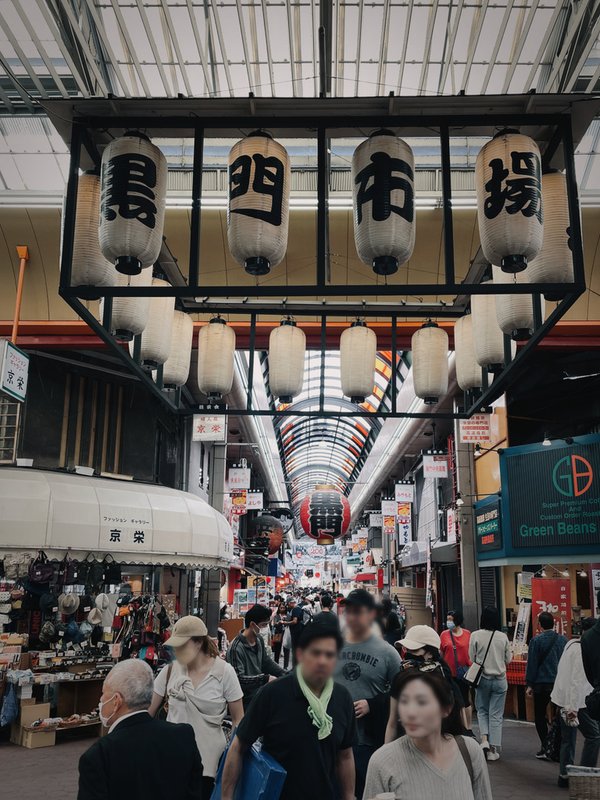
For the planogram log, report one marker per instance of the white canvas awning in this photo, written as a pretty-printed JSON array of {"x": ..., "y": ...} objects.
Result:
[{"x": 136, "y": 523}]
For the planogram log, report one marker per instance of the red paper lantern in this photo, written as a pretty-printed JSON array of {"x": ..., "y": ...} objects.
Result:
[
  {"x": 325, "y": 514},
  {"x": 317, "y": 574},
  {"x": 268, "y": 527}
]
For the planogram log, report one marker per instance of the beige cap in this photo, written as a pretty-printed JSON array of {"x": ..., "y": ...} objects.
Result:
[
  {"x": 184, "y": 629},
  {"x": 95, "y": 616},
  {"x": 419, "y": 636}
]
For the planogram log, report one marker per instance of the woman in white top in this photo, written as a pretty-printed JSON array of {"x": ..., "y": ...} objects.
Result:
[
  {"x": 490, "y": 647},
  {"x": 433, "y": 760},
  {"x": 200, "y": 688}
]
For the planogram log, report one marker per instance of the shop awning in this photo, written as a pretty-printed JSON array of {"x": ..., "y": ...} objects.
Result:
[
  {"x": 414, "y": 554},
  {"x": 365, "y": 576},
  {"x": 444, "y": 552},
  {"x": 136, "y": 523}
]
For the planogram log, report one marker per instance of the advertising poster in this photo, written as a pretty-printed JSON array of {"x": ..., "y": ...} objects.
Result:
[
  {"x": 238, "y": 502},
  {"x": 476, "y": 429},
  {"x": 521, "y": 628},
  {"x": 451, "y": 525},
  {"x": 554, "y": 596}
]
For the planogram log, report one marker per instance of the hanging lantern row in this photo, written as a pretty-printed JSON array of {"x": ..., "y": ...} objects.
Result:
[
  {"x": 468, "y": 370},
  {"x": 287, "y": 348},
  {"x": 216, "y": 351},
  {"x": 430, "y": 362}
]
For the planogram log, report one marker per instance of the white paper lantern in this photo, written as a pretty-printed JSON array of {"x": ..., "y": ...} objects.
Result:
[
  {"x": 259, "y": 197},
  {"x": 509, "y": 200},
  {"x": 89, "y": 267},
  {"x": 132, "y": 204},
  {"x": 216, "y": 351},
  {"x": 429, "y": 347},
  {"x": 176, "y": 368},
  {"x": 130, "y": 314},
  {"x": 514, "y": 312},
  {"x": 383, "y": 198},
  {"x": 488, "y": 338},
  {"x": 287, "y": 346},
  {"x": 554, "y": 262},
  {"x": 358, "y": 353},
  {"x": 468, "y": 371},
  {"x": 156, "y": 336}
]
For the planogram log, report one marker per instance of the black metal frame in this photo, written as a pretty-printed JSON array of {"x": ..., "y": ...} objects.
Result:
[{"x": 274, "y": 299}]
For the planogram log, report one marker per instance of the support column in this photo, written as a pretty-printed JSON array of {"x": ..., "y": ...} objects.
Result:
[
  {"x": 211, "y": 578},
  {"x": 465, "y": 483}
]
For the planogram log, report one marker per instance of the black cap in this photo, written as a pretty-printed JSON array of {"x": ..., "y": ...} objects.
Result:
[{"x": 359, "y": 597}]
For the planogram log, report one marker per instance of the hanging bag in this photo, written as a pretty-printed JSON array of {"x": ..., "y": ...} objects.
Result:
[
  {"x": 475, "y": 672},
  {"x": 95, "y": 572},
  {"x": 112, "y": 570},
  {"x": 70, "y": 572}
]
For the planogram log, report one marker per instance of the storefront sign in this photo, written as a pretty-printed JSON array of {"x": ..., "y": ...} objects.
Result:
[
  {"x": 375, "y": 520},
  {"x": 488, "y": 525},
  {"x": 476, "y": 429},
  {"x": 388, "y": 508},
  {"x": 404, "y": 514},
  {"x": 122, "y": 530},
  {"x": 435, "y": 466},
  {"x": 14, "y": 369},
  {"x": 404, "y": 492},
  {"x": 239, "y": 478},
  {"x": 451, "y": 525},
  {"x": 209, "y": 429},
  {"x": 552, "y": 494},
  {"x": 238, "y": 502},
  {"x": 254, "y": 501},
  {"x": 554, "y": 596}
]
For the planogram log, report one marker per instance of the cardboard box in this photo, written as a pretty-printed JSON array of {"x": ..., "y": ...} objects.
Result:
[
  {"x": 25, "y": 692},
  {"x": 28, "y": 701},
  {"x": 16, "y": 733},
  {"x": 34, "y": 739},
  {"x": 30, "y": 713}
]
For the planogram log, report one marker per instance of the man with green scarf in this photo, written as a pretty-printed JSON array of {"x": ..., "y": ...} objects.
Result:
[{"x": 307, "y": 724}]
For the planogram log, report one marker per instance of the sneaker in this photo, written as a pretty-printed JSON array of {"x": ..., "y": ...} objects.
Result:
[
  {"x": 485, "y": 745},
  {"x": 541, "y": 756},
  {"x": 493, "y": 755},
  {"x": 563, "y": 782}
]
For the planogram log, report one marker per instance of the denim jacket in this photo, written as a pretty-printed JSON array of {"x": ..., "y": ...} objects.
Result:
[{"x": 545, "y": 651}]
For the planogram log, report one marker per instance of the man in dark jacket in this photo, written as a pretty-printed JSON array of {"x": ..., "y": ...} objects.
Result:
[
  {"x": 248, "y": 656},
  {"x": 140, "y": 757},
  {"x": 543, "y": 656},
  {"x": 590, "y": 652}
]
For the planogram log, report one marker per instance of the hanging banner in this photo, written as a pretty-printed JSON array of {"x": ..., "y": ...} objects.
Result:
[
  {"x": 404, "y": 492},
  {"x": 429, "y": 579},
  {"x": 404, "y": 517},
  {"x": 451, "y": 525},
  {"x": 554, "y": 596},
  {"x": 375, "y": 520},
  {"x": 388, "y": 508},
  {"x": 435, "y": 466},
  {"x": 254, "y": 501},
  {"x": 14, "y": 370},
  {"x": 239, "y": 478},
  {"x": 209, "y": 429},
  {"x": 238, "y": 502},
  {"x": 477, "y": 429},
  {"x": 522, "y": 628}
]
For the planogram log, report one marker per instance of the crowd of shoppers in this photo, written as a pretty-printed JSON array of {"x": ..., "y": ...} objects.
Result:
[{"x": 361, "y": 713}]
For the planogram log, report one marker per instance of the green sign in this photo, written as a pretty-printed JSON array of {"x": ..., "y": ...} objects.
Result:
[{"x": 553, "y": 493}]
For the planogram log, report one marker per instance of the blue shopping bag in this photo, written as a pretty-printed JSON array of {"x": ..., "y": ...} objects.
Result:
[{"x": 262, "y": 777}]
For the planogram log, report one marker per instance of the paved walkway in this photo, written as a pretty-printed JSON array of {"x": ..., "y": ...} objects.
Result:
[{"x": 51, "y": 773}]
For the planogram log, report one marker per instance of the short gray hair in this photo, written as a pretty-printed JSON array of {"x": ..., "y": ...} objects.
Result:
[{"x": 134, "y": 681}]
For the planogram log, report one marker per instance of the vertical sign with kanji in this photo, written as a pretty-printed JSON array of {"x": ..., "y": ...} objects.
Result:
[
  {"x": 554, "y": 596},
  {"x": 14, "y": 369}
]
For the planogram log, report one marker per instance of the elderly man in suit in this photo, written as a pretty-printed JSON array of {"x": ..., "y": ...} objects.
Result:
[{"x": 140, "y": 757}]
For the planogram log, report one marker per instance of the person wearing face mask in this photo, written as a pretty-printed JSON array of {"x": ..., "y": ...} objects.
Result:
[
  {"x": 422, "y": 652},
  {"x": 129, "y": 762},
  {"x": 248, "y": 654},
  {"x": 200, "y": 689},
  {"x": 433, "y": 759},
  {"x": 454, "y": 647}
]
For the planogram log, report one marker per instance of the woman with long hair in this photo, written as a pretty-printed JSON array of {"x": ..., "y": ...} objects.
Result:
[
  {"x": 433, "y": 759},
  {"x": 489, "y": 647},
  {"x": 200, "y": 689},
  {"x": 277, "y": 626}
]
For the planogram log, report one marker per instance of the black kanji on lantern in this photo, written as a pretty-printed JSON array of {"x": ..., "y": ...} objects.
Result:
[
  {"x": 378, "y": 180},
  {"x": 326, "y": 513},
  {"x": 128, "y": 183},
  {"x": 268, "y": 180},
  {"x": 521, "y": 194}
]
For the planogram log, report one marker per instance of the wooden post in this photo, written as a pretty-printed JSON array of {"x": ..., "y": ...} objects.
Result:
[{"x": 23, "y": 254}]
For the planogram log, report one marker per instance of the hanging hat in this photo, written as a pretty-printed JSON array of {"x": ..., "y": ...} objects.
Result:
[
  {"x": 68, "y": 603},
  {"x": 102, "y": 601},
  {"x": 85, "y": 629},
  {"x": 71, "y": 631},
  {"x": 48, "y": 603},
  {"x": 48, "y": 633},
  {"x": 95, "y": 616}
]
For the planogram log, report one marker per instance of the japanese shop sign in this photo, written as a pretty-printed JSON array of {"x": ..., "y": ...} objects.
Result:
[
  {"x": 435, "y": 466},
  {"x": 254, "y": 501},
  {"x": 239, "y": 478},
  {"x": 404, "y": 492},
  {"x": 451, "y": 525},
  {"x": 123, "y": 530},
  {"x": 209, "y": 429},
  {"x": 554, "y": 596},
  {"x": 488, "y": 528},
  {"x": 14, "y": 369},
  {"x": 404, "y": 515},
  {"x": 238, "y": 501},
  {"x": 375, "y": 520},
  {"x": 389, "y": 509},
  {"x": 476, "y": 429}
]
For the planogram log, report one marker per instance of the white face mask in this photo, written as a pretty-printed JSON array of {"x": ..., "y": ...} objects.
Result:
[{"x": 106, "y": 720}]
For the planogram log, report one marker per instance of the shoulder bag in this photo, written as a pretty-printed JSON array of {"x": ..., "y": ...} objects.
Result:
[
  {"x": 466, "y": 757},
  {"x": 41, "y": 570},
  {"x": 460, "y": 671},
  {"x": 164, "y": 709},
  {"x": 475, "y": 672}
]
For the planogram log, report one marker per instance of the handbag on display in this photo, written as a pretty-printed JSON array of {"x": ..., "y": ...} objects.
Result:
[
  {"x": 16, "y": 566},
  {"x": 41, "y": 570},
  {"x": 70, "y": 572},
  {"x": 262, "y": 777},
  {"x": 475, "y": 672},
  {"x": 112, "y": 570},
  {"x": 95, "y": 571}
]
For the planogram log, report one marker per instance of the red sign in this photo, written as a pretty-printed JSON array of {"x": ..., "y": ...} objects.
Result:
[{"x": 554, "y": 596}]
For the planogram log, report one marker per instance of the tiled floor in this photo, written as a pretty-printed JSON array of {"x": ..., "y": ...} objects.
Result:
[{"x": 51, "y": 773}]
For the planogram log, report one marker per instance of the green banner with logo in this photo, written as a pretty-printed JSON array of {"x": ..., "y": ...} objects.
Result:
[{"x": 552, "y": 494}]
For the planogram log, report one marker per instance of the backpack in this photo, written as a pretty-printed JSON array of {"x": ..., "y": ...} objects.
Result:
[{"x": 306, "y": 616}]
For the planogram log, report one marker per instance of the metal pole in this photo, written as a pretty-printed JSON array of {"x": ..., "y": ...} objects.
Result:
[
  {"x": 251, "y": 353},
  {"x": 394, "y": 376},
  {"x": 447, "y": 204},
  {"x": 576, "y": 237},
  {"x": 23, "y": 253},
  {"x": 194, "y": 268},
  {"x": 66, "y": 263},
  {"x": 322, "y": 207},
  {"x": 322, "y": 371}
]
